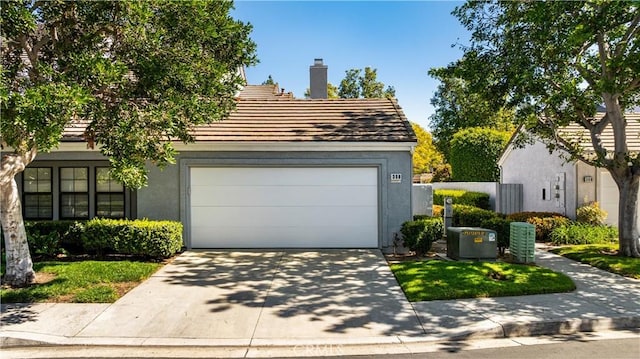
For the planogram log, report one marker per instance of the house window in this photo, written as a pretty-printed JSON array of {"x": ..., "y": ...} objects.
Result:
[
  {"x": 38, "y": 198},
  {"x": 109, "y": 195},
  {"x": 74, "y": 192}
]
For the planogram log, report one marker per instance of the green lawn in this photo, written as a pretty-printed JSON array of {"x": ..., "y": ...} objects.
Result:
[
  {"x": 602, "y": 256},
  {"x": 81, "y": 282},
  {"x": 436, "y": 279}
]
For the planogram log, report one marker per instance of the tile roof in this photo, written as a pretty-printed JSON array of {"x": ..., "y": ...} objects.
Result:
[
  {"x": 357, "y": 120},
  {"x": 263, "y": 92},
  {"x": 577, "y": 133},
  {"x": 300, "y": 120}
]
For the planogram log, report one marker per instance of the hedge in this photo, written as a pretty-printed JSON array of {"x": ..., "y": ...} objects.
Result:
[
  {"x": 419, "y": 235},
  {"x": 469, "y": 198},
  {"x": 474, "y": 154},
  {"x": 582, "y": 233},
  {"x": 545, "y": 222},
  {"x": 469, "y": 216},
  {"x": 156, "y": 239}
]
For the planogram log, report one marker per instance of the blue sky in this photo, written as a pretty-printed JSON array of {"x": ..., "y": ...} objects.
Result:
[{"x": 402, "y": 39}]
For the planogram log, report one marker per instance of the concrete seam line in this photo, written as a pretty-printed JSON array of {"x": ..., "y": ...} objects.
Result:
[
  {"x": 424, "y": 331},
  {"x": 273, "y": 278}
]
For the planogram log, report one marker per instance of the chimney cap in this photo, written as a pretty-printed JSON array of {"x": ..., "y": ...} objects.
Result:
[{"x": 317, "y": 61}]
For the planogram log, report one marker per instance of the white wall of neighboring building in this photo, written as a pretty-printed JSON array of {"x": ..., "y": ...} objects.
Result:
[{"x": 549, "y": 183}]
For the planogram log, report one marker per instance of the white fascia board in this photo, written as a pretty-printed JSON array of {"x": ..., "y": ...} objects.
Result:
[
  {"x": 296, "y": 146},
  {"x": 266, "y": 146}
]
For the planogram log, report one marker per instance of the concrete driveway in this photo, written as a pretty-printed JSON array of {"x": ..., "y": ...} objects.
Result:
[{"x": 247, "y": 297}]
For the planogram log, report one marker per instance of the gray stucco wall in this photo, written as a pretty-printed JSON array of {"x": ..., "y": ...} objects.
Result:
[
  {"x": 166, "y": 197},
  {"x": 536, "y": 169}
]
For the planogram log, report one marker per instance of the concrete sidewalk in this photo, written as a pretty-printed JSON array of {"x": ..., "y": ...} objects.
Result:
[{"x": 242, "y": 302}]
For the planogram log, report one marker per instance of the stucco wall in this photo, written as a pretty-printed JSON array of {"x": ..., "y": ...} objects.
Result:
[
  {"x": 166, "y": 197},
  {"x": 537, "y": 170}
]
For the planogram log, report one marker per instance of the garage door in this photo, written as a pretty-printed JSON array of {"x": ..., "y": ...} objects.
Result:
[
  {"x": 290, "y": 207},
  {"x": 608, "y": 197}
]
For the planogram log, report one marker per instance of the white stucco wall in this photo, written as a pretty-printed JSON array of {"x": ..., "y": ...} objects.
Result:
[{"x": 537, "y": 170}]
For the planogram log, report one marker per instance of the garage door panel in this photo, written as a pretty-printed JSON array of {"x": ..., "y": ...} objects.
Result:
[
  {"x": 286, "y": 196},
  {"x": 255, "y": 176},
  {"x": 290, "y": 207},
  {"x": 282, "y": 237},
  {"x": 283, "y": 216}
]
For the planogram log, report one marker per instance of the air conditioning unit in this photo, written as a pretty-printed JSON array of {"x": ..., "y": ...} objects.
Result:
[{"x": 522, "y": 242}]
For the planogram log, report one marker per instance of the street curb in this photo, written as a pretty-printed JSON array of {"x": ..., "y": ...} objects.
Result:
[{"x": 10, "y": 339}]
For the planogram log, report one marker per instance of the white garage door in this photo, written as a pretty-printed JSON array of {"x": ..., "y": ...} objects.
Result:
[
  {"x": 290, "y": 207},
  {"x": 608, "y": 197}
]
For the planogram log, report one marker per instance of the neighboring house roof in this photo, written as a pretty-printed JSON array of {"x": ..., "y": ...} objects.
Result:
[
  {"x": 298, "y": 120},
  {"x": 577, "y": 133},
  {"x": 263, "y": 92}
]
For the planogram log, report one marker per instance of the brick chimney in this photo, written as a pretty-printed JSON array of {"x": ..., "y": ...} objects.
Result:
[{"x": 318, "y": 79}]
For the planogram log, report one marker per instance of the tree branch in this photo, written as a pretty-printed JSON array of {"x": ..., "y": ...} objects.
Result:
[
  {"x": 631, "y": 32},
  {"x": 603, "y": 51}
]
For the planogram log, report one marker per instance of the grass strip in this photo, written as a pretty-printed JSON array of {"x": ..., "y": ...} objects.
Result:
[
  {"x": 435, "y": 280},
  {"x": 603, "y": 256},
  {"x": 81, "y": 282}
]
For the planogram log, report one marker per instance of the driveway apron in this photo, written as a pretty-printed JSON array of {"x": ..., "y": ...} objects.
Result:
[{"x": 253, "y": 295}]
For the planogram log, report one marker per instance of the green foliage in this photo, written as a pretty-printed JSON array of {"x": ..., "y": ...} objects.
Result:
[
  {"x": 502, "y": 227},
  {"x": 442, "y": 173},
  {"x": 469, "y": 198},
  {"x": 68, "y": 232},
  {"x": 469, "y": 216},
  {"x": 45, "y": 245},
  {"x": 420, "y": 234},
  {"x": 332, "y": 91},
  {"x": 437, "y": 280},
  {"x": 269, "y": 81},
  {"x": 545, "y": 222},
  {"x": 591, "y": 214},
  {"x": 603, "y": 256},
  {"x": 159, "y": 70},
  {"x": 582, "y": 233},
  {"x": 475, "y": 152},
  {"x": 457, "y": 107},
  {"x": 157, "y": 239},
  {"x": 357, "y": 84},
  {"x": 425, "y": 155}
]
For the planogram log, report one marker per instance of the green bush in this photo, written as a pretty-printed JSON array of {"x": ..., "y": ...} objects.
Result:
[
  {"x": 545, "y": 222},
  {"x": 419, "y": 235},
  {"x": 582, "y": 233},
  {"x": 69, "y": 232},
  {"x": 45, "y": 245},
  {"x": 157, "y": 239},
  {"x": 475, "y": 152},
  {"x": 469, "y": 216},
  {"x": 591, "y": 214},
  {"x": 502, "y": 226},
  {"x": 476, "y": 199},
  {"x": 436, "y": 212}
]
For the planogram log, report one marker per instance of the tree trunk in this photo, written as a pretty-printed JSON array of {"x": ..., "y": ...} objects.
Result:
[
  {"x": 628, "y": 217},
  {"x": 19, "y": 267}
]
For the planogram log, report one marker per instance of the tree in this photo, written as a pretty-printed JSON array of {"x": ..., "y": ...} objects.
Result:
[
  {"x": 332, "y": 91},
  {"x": 555, "y": 62},
  {"x": 357, "y": 84},
  {"x": 475, "y": 152},
  {"x": 136, "y": 73},
  {"x": 425, "y": 155},
  {"x": 457, "y": 107},
  {"x": 269, "y": 81}
]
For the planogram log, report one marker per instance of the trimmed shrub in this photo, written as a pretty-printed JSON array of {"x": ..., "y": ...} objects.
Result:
[
  {"x": 545, "y": 222},
  {"x": 592, "y": 214},
  {"x": 419, "y": 235},
  {"x": 45, "y": 245},
  {"x": 582, "y": 233},
  {"x": 69, "y": 232},
  {"x": 502, "y": 226},
  {"x": 441, "y": 173},
  {"x": 476, "y": 199},
  {"x": 469, "y": 216},
  {"x": 474, "y": 154},
  {"x": 157, "y": 239}
]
